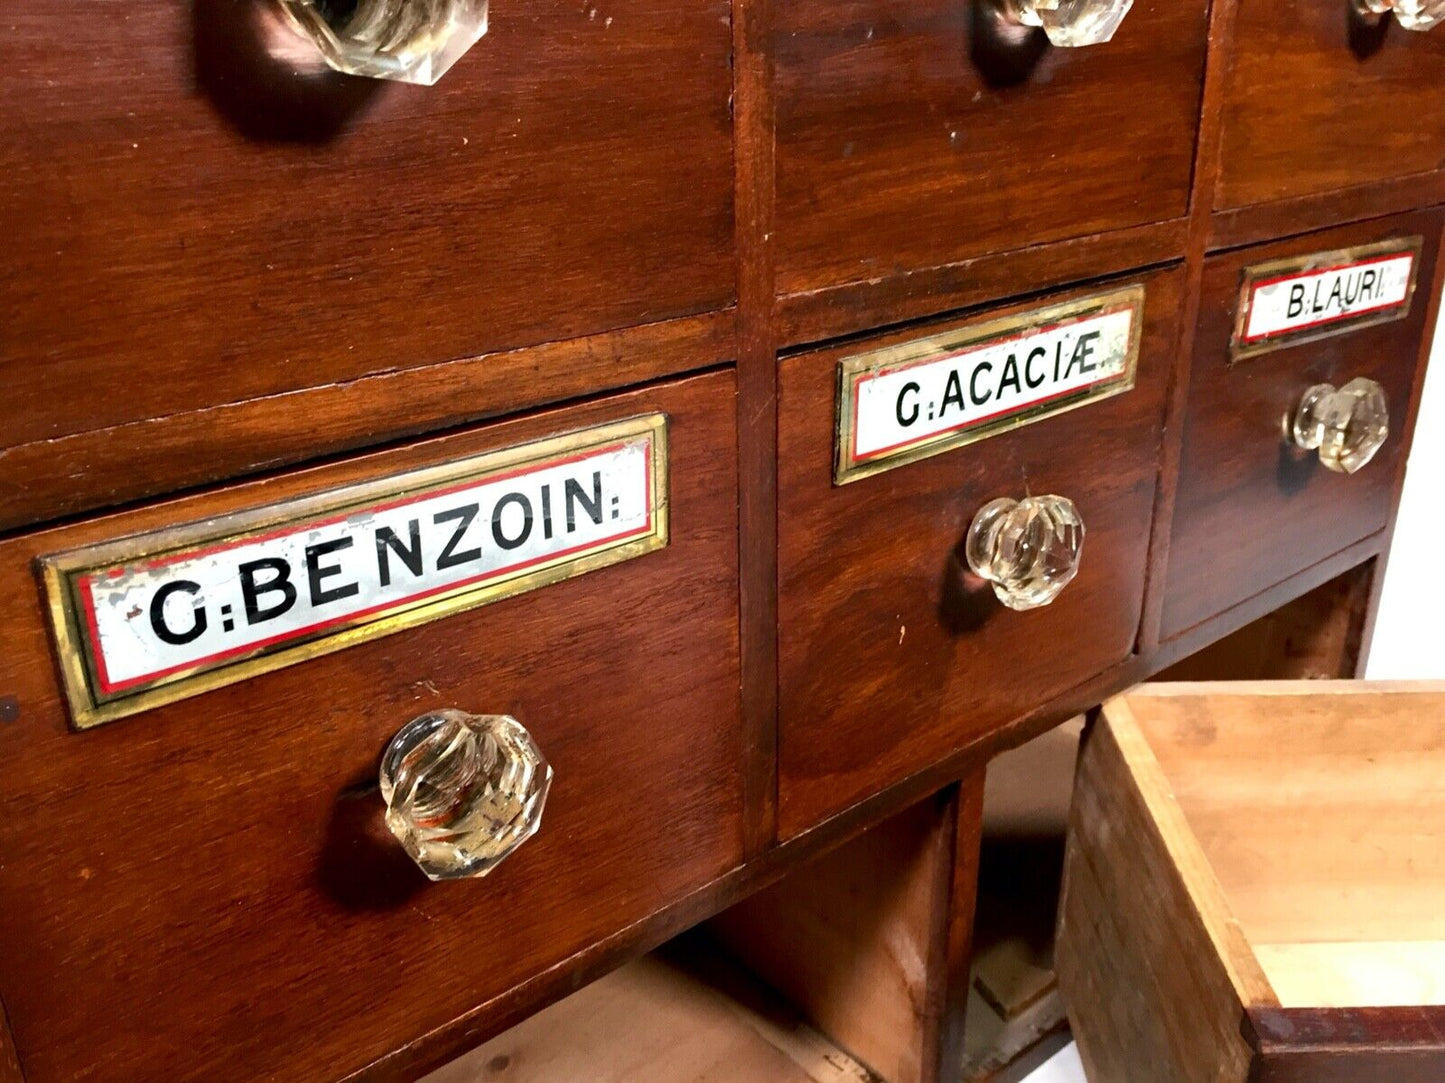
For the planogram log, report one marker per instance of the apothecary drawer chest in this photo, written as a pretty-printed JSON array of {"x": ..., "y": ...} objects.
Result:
[{"x": 719, "y": 426}]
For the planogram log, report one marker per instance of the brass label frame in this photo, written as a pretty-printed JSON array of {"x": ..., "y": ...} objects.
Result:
[
  {"x": 61, "y": 573},
  {"x": 853, "y": 370},
  {"x": 1261, "y": 274}
]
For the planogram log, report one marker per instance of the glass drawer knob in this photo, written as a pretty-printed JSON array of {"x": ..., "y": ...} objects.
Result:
[
  {"x": 1028, "y": 549},
  {"x": 415, "y": 41},
  {"x": 463, "y": 791},
  {"x": 1069, "y": 22},
  {"x": 1346, "y": 426},
  {"x": 1411, "y": 14}
]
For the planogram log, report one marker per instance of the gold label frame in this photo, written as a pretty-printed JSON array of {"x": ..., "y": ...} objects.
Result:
[
  {"x": 1242, "y": 347},
  {"x": 939, "y": 349},
  {"x": 94, "y": 701}
]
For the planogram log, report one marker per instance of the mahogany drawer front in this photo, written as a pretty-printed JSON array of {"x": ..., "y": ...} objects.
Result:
[
  {"x": 205, "y": 890},
  {"x": 891, "y": 653},
  {"x": 193, "y": 222},
  {"x": 910, "y": 136},
  {"x": 1252, "y": 509},
  {"x": 1317, "y": 101}
]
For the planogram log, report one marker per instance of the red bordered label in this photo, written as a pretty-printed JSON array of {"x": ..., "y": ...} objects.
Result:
[
  {"x": 163, "y": 615},
  {"x": 1323, "y": 294},
  {"x": 906, "y": 402}
]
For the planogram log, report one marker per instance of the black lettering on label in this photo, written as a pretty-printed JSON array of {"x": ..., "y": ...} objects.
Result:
[
  {"x": 1336, "y": 295},
  {"x": 979, "y": 370},
  {"x": 952, "y": 393},
  {"x": 546, "y": 511},
  {"x": 1083, "y": 349},
  {"x": 1296, "y": 300},
  {"x": 277, "y": 582},
  {"x": 573, "y": 494},
  {"x": 1010, "y": 376},
  {"x": 1352, "y": 288},
  {"x": 1038, "y": 352},
  {"x": 463, "y": 517},
  {"x": 910, "y": 418},
  {"x": 164, "y": 632},
  {"x": 498, "y": 535},
  {"x": 1368, "y": 281},
  {"x": 387, "y": 542},
  {"x": 316, "y": 573},
  {"x": 1058, "y": 358}
]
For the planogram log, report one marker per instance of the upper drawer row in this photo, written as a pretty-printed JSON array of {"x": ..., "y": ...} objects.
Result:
[{"x": 202, "y": 213}]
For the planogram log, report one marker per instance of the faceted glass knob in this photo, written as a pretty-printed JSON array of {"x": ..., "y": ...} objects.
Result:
[
  {"x": 415, "y": 41},
  {"x": 1070, "y": 22},
  {"x": 1028, "y": 549},
  {"x": 1346, "y": 426},
  {"x": 1411, "y": 14},
  {"x": 463, "y": 791}
]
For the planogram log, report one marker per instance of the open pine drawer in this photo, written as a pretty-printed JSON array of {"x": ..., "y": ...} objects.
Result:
[{"x": 1255, "y": 885}]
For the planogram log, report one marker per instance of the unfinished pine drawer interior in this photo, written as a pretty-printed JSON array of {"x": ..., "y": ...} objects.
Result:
[{"x": 1253, "y": 882}]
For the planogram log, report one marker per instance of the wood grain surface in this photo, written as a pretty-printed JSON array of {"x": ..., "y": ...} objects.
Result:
[
  {"x": 1322, "y": 910},
  {"x": 50, "y": 479},
  {"x": 1320, "y": 100},
  {"x": 226, "y": 262},
  {"x": 857, "y": 939},
  {"x": 1316, "y": 636},
  {"x": 1365, "y": 1045},
  {"x": 1249, "y": 508},
  {"x": 206, "y": 891},
  {"x": 199, "y": 213},
  {"x": 684, "y": 1013},
  {"x": 891, "y": 654},
  {"x": 924, "y": 134},
  {"x": 1153, "y": 968}
]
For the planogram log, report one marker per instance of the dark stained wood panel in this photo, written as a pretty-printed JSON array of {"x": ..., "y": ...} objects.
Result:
[
  {"x": 913, "y": 135},
  {"x": 47, "y": 479},
  {"x": 194, "y": 216},
  {"x": 1361, "y": 1045},
  {"x": 205, "y": 891},
  {"x": 810, "y": 318},
  {"x": 1251, "y": 510},
  {"x": 1318, "y": 100},
  {"x": 891, "y": 655}
]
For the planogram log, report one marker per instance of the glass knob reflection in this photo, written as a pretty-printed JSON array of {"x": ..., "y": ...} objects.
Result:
[
  {"x": 1069, "y": 23},
  {"x": 463, "y": 791},
  {"x": 1028, "y": 549},
  {"x": 414, "y": 41},
  {"x": 1410, "y": 14},
  {"x": 1346, "y": 426}
]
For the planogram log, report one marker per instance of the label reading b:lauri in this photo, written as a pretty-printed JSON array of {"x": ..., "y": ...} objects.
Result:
[{"x": 1286, "y": 302}]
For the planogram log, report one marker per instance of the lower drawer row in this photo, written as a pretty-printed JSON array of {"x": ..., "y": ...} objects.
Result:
[{"x": 212, "y": 874}]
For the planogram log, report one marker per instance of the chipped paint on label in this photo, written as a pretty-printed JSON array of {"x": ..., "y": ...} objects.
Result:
[{"x": 1326, "y": 293}]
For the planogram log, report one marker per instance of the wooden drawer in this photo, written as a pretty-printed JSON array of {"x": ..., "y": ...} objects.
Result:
[
  {"x": 1252, "y": 509},
  {"x": 1316, "y": 100},
  {"x": 196, "y": 220},
  {"x": 891, "y": 653},
  {"x": 910, "y": 136},
  {"x": 1252, "y": 887},
  {"x": 205, "y": 891}
]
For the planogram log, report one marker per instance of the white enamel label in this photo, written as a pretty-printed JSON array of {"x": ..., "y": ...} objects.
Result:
[
  {"x": 950, "y": 397},
  {"x": 1339, "y": 293},
  {"x": 179, "y": 612}
]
